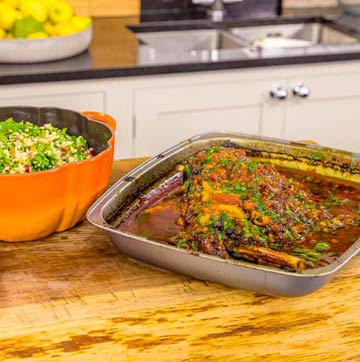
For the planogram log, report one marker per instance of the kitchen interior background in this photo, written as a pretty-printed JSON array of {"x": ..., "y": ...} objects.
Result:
[{"x": 132, "y": 7}]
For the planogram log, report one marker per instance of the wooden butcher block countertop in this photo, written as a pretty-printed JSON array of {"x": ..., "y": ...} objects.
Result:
[{"x": 74, "y": 297}]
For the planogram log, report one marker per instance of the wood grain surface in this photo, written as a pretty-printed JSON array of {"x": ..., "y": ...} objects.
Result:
[
  {"x": 113, "y": 44},
  {"x": 74, "y": 297}
]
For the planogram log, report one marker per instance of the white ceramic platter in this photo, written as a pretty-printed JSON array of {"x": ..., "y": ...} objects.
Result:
[{"x": 44, "y": 50}]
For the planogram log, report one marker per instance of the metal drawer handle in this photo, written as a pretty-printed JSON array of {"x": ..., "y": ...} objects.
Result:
[
  {"x": 301, "y": 91},
  {"x": 278, "y": 92}
]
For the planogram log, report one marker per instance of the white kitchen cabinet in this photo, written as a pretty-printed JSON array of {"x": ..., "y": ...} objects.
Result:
[
  {"x": 172, "y": 111},
  {"x": 330, "y": 115},
  {"x": 156, "y": 112},
  {"x": 76, "y": 101},
  {"x": 165, "y": 116},
  {"x": 91, "y": 95}
]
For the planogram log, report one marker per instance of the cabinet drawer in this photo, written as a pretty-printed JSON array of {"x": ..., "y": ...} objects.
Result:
[
  {"x": 330, "y": 114},
  {"x": 168, "y": 115},
  {"x": 92, "y": 101},
  {"x": 203, "y": 96},
  {"x": 329, "y": 86}
]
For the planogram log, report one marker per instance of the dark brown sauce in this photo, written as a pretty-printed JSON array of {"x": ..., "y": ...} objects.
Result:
[
  {"x": 160, "y": 224},
  {"x": 346, "y": 200}
]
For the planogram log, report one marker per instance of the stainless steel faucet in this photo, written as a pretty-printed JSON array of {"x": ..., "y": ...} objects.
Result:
[{"x": 217, "y": 10}]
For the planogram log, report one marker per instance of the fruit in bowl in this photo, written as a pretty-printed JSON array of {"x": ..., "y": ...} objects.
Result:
[
  {"x": 33, "y": 31},
  {"x": 39, "y": 19}
]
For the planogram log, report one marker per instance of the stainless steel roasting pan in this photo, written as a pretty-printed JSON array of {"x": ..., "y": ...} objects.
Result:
[{"x": 233, "y": 273}]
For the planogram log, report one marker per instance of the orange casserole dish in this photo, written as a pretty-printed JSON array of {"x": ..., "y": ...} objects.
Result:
[{"x": 38, "y": 204}]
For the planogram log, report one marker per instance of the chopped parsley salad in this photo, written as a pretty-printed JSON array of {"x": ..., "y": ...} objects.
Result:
[{"x": 27, "y": 148}]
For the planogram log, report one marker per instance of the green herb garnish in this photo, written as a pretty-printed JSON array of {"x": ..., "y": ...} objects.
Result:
[
  {"x": 318, "y": 155},
  {"x": 321, "y": 246},
  {"x": 181, "y": 242}
]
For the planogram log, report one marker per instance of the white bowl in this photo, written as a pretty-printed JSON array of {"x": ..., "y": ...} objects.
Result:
[{"x": 44, "y": 50}]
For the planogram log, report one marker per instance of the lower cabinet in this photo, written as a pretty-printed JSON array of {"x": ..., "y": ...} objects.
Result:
[
  {"x": 168, "y": 115},
  {"x": 75, "y": 101},
  {"x": 89, "y": 95},
  {"x": 330, "y": 115},
  {"x": 156, "y": 112}
]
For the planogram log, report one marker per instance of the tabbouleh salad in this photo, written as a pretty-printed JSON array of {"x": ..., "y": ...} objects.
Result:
[{"x": 26, "y": 148}]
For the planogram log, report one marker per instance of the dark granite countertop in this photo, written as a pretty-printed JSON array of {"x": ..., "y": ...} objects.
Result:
[{"x": 115, "y": 52}]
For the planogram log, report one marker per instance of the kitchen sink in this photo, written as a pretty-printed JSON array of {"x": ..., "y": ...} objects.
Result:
[
  {"x": 191, "y": 40},
  {"x": 293, "y": 35},
  {"x": 172, "y": 43}
]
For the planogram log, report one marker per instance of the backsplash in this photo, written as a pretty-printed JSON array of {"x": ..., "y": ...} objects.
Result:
[
  {"x": 244, "y": 8},
  {"x": 249, "y": 8},
  {"x": 158, "y": 6}
]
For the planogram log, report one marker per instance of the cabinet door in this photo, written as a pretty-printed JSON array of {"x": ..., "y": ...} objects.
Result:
[
  {"x": 71, "y": 100},
  {"x": 166, "y": 116},
  {"x": 331, "y": 113}
]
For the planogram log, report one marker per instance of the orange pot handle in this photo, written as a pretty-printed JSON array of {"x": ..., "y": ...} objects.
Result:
[{"x": 101, "y": 117}]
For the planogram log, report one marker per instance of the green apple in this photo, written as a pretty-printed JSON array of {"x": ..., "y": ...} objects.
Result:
[
  {"x": 23, "y": 27},
  {"x": 60, "y": 12}
]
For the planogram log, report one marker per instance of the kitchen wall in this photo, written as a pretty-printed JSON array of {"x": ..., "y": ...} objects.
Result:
[
  {"x": 132, "y": 7},
  {"x": 178, "y": 9}
]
